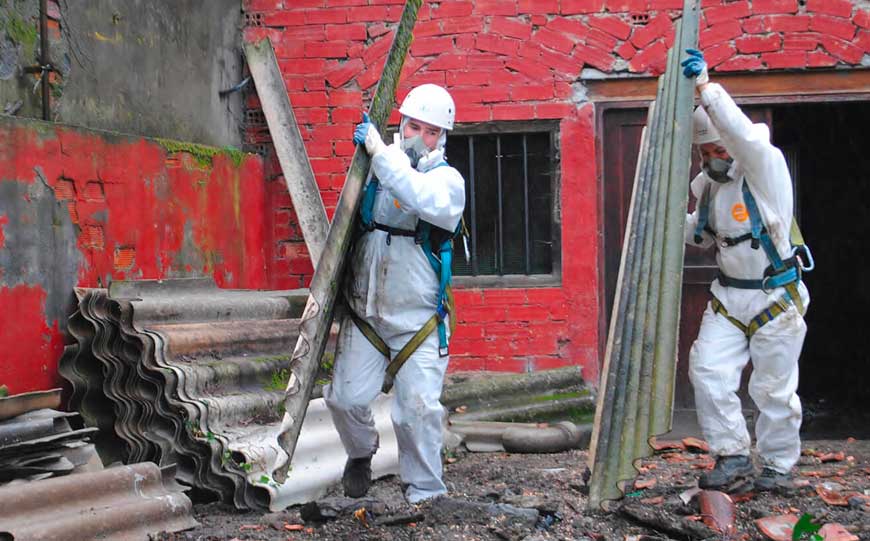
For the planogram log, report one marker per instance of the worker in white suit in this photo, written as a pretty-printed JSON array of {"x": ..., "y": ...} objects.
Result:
[
  {"x": 396, "y": 295},
  {"x": 745, "y": 209}
]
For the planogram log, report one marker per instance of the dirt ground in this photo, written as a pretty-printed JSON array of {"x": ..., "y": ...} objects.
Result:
[{"x": 554, "y": 485}]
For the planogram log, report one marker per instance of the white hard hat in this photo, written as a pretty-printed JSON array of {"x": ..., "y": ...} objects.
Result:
[
  {"x": 705, "y": 131},
  {"x": 431, "y": 104}
]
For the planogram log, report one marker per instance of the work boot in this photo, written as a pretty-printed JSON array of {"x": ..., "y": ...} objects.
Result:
[
  {"x": 772, "y": 480},
  {"x": 357, "y": 478},
  {"x": 727, "y": 472}
]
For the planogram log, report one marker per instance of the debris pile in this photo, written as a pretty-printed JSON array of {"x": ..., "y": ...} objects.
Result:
[
  {"x": 182, "y": 372},
  {"x": 828, "y": 500},
  {"x": 519, "y": 413},
  {"x": 124, "y": 502},
  {"x": 53, "y": 485},
  {"x": 38, "y": 442}
]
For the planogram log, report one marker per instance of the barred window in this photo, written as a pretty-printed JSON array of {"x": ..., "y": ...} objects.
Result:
[{"x": 510, "y": 188}]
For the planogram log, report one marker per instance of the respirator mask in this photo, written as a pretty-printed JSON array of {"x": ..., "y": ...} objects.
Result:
[
  {"x": 717, "y": 169},
  {"x": 414, "y": 148}
]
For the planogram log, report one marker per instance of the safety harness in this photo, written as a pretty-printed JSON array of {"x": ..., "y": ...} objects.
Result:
[
  {"x": 426, "y": 235},
  {"x": 784, "y": 273}
]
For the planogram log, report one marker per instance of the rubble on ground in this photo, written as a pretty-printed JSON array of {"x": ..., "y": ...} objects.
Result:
[{"x": 553, "y": 486}]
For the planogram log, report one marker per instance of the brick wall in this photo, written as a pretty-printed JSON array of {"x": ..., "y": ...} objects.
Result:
[
  {"x": 517, "y": 60},
  {"x": 81, "y": 208}
]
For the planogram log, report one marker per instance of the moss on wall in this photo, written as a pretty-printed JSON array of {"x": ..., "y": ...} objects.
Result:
[
  {"x": 22, "y": 32},
  {"x": 202, "y": 154}
]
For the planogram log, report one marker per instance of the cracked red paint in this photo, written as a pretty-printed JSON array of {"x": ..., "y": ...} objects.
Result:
[
  {"x": 139, "y": 212},
  {"x": 145, "y": 204}
]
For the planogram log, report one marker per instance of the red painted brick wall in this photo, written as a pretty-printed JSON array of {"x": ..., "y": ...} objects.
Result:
[
  {"x": 80, "y": 208},
  {"x": 516, "y": 60}
]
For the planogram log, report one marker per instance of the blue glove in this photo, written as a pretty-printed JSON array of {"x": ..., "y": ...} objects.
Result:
[
  {"x": 362, "y": 129},
  {"x": 695, "y": 66},
  {"x": 366, "y": 133}
]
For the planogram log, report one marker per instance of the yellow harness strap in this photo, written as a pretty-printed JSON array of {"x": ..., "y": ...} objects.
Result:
[
  {"x": 762, "y": 319},
  {"x": 412, "y": 345}
]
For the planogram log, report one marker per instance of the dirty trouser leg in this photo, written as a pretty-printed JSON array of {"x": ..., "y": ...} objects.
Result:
[
  {"x": 775, "y": 350},
  {"x": 417, "y": 418},
  {"x": 716, "y": 361},
  {"x": 358, "y": 378}
]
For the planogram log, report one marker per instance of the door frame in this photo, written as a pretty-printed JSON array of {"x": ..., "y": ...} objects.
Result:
[{"x": 766, "y": 88}]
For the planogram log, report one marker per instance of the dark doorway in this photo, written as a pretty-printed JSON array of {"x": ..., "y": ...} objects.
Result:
[{"x": 828, "y": 147}]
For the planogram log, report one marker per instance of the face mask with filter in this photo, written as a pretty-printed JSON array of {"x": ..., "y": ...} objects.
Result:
[
  {"x": 415, "y": 149},
  {"x": 717, "y": 169}
]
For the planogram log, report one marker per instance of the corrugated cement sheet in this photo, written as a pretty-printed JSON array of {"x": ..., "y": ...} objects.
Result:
[
  {"x": 637, "y": 385},
  {"x": 124, "y": 503},
  {"x": 41, "y": 444},
  {"x": 183, "y": 372}
]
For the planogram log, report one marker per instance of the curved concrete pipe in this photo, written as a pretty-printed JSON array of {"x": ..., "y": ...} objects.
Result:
[
  {"x": 547, "y": 439},
  {"x": 483, "y": 436}
]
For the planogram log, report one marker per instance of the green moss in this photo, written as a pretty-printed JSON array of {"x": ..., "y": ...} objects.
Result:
[
  {"x": 194, "y": 429},
  {"x": 327, "y": 362},
  {"x": 235, "y": 155},
  {"x": 580, "y": 416},
  {"x": 279, "y": 407},
  {"x": 4, "y": 390},
  {"x": 272, "y": 358},
  {"x": 22, "y": 32},
  {"x": 278, "y": 380},
  {"x": 46, "y": 130},
  {"x": 558, "y": 396},
  {"x": 203, "y": 154},
  {"x": 56, "y": 89}
]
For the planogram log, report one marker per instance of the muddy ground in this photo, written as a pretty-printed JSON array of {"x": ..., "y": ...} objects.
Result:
[{"x": 553, "y": 484}]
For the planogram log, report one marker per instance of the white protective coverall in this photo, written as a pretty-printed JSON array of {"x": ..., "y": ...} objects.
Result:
[
  {"x": 721, "y": 350},
  {"x": 395, "y": 289}
]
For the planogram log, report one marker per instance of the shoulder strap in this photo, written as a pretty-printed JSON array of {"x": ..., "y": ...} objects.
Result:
[
  {"x": 759, "y": 231},
  {"x": 366, "y": 209},
  {"x": 443, "y": 267},
  {"x": 703, "y": 214},
  {"x": 760, "y": 234}
]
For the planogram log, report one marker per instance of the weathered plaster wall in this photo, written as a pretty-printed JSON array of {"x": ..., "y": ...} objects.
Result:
[
  {"x": 82, "y": 208},
  {"x": 19, "y": 48},
  {"x": 507, "y": 60},
  {"x": 150, "y": 68}
]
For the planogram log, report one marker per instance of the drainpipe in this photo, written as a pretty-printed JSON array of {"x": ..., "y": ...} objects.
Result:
[{"x": 44, "y": 67}]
